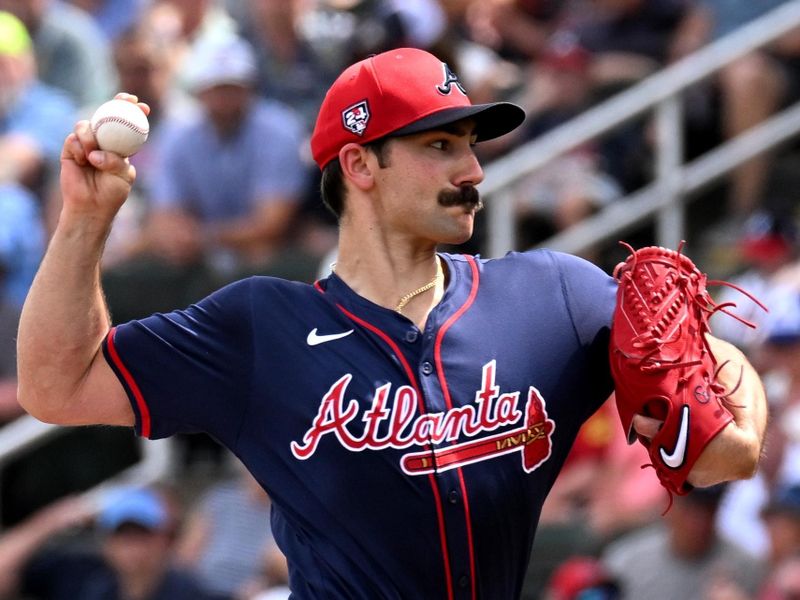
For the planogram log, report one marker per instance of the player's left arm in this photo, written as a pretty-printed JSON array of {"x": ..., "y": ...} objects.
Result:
[{"x": 735, "y": 452}]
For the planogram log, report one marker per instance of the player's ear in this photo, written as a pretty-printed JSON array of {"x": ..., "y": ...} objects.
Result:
[{"x": 355, "y": 165}]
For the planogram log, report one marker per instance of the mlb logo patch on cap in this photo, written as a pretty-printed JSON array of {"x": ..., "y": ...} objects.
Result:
[{"x": 356, "y": 117}]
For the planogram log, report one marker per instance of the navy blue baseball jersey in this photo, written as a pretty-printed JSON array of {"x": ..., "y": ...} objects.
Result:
[{"x": 401, "y": 463}]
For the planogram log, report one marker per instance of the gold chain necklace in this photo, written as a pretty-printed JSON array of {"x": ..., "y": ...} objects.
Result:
[{"x": 407, "y": 298}]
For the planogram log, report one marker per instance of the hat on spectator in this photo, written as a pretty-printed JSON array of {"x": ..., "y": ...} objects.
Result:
[
  {"x": 400, "y": 92},
  {"x": 226, "y": 61},
  {"x": 784, "y": 500},
  {"x": 782, "y": 324},
  {"x": 767, "y": 237},
  {"x": 136, "y": 506},
  {"x": 14, "y": 37}
]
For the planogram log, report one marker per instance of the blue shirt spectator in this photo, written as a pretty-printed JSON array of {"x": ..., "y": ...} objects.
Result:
[
  {"x": 114, "y": 17},
  {"x": 44, "y": 115},
  {"x": 222, "y": 178},
  {"x": 22, "y": 240},
  {"x": 229, "y": 180},
  {"x": 72, "y": 52}
]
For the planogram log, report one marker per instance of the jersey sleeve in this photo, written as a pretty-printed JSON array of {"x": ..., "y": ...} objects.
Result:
[
  {"x": 188, "y": 370},
  {"x": 590, "y": 294}
]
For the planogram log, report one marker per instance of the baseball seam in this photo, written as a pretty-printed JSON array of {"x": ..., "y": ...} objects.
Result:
[{"x": 130, "y": 125}]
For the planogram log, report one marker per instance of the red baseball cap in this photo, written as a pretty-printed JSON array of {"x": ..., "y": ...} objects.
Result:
[{"x": 400, "y": 92}]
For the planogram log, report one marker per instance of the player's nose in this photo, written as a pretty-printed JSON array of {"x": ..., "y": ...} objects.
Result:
[{"x": 470, "y": 171}]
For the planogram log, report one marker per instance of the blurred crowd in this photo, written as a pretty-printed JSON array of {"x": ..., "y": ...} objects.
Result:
[{"x": 226, "y": 188}]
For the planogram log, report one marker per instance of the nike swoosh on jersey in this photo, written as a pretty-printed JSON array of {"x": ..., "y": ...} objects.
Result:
[
  {"x": 314, "y": 339},
  {"x": 675, "y": 458}
]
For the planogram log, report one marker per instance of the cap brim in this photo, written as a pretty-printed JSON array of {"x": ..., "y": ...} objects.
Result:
[{"x": 491, "y": 120}]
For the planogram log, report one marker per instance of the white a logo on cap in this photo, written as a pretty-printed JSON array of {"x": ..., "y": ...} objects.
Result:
[
  {"x": 356, "y": 117},
  {"x": 450, "y": 78}
]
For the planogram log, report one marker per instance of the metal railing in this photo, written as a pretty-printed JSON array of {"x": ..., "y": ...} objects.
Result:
[
  {"x": 664, "y": 199},
  {"x": 26, "y": 433}
]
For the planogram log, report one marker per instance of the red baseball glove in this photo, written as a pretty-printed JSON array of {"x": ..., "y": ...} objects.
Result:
[{"x": 661, "y": 361}]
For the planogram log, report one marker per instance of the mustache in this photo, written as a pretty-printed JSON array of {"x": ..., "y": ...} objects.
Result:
[{"x": 466, "y": 195}]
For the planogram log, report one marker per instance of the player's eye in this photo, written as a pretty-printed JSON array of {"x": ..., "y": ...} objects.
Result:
[{"x": 440, "y": 144}]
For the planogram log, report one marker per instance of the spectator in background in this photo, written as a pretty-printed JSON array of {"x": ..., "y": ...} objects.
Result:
[
  {"x": 114, "y": 17},
  {"x": 289, "y": 71},
  {"x": 226, "y": 537},
  {"x": 341, "y": 32},
  {"x": 234, "y": 202},
  {"x": 681, "y": 556},
  {"x": 144, "y": 69},
  {"x": 274, "y": 584},
  {"x": 582, "y": 578},
  {"x": 132, "y": 561},
  {"x": 71, "y": 52},
  {"x": 628, "y": 39},
  {"x": 601, "y": 493},
  {"x": 33, "y": 115},
  {"x": 227, "y": 210},
  {"x": 574, "y": 185},
  {"x": 767, "y": 253},
  {"x": 182, "y": 25},
  {"x": 783, "y": 583},
  {"x": 781, "y": 517},
  {"x": 519, "y": 30},
  {"x": 778, "y": 359},
  {"x": 772, "y": 71},
  {"x": 22, "y": 242}
]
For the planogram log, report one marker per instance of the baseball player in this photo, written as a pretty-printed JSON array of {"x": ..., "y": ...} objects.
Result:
[{"x": 407, "y": 414}]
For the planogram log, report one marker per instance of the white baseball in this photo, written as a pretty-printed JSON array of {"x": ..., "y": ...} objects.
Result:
[{"x": 120, "y": 126}]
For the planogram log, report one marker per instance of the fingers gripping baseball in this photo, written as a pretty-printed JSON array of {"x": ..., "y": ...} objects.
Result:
[{"x": 94, "y": 182}]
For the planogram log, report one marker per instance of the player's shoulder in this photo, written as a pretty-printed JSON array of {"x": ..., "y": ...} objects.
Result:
[
  {"x": 539, "y": 260},
  {"x": 264, "y": 291},
  {"x": 265, "y": 284}
]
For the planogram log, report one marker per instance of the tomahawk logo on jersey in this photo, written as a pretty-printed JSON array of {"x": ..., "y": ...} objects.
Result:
[{"x": 394, "y": 456}]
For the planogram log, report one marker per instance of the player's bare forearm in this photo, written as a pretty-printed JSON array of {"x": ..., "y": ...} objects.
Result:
[
  {"x": 62, "y": 325},
  {"x": 735, "y": 452},
  {"x": 62, "y": 376}
]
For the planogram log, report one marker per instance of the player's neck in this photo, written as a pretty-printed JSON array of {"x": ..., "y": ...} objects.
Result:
[{"x": 406, "y": 279}]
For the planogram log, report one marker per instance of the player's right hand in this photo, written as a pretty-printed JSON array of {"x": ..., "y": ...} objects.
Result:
[{"x": 94, "y": 183}]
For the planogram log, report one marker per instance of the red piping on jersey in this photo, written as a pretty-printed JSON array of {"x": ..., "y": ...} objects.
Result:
[
  {"x": 410, "y": 373},
  {"x": 437, "y": 357},
  {"x": 144, "y": 411}
]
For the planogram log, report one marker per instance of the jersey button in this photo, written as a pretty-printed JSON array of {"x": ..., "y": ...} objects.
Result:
[
  {"x": 453, "y": 497},
  {"x": 463, "y": 581},
  {"x": 427, "y": 368},
  {"x": 412, "y": 335}
]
